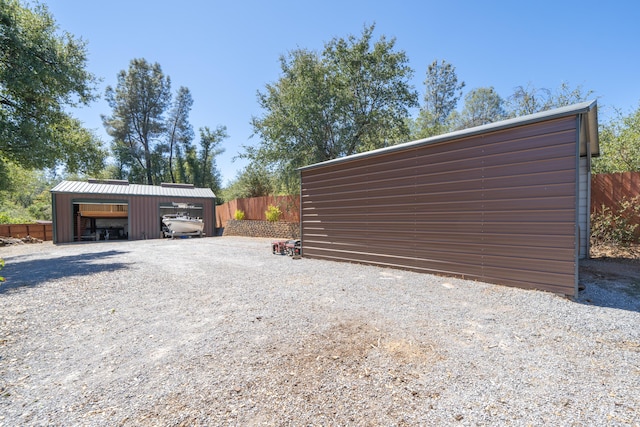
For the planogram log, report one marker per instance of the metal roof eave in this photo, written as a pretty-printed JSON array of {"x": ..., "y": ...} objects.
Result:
[
  {"x": 82, "y": 187},
  {"x": 588, "y": 108},
  {"x": 589, "y": 135}
]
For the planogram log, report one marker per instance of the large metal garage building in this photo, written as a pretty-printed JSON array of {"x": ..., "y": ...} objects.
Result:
[
  {"x": 115, "y": 209},
  {"x": 504, "y": 203}
]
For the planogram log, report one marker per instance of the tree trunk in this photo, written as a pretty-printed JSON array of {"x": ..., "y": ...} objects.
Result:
[{"x": 147, "y": 160}]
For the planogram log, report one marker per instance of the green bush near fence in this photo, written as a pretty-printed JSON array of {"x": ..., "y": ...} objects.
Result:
[
  {"x": 617, "y": 227},
  {"x": 273, "y": 213},
  {"x": 9, "y": 219},
  {"x": 238, "y": 215}
]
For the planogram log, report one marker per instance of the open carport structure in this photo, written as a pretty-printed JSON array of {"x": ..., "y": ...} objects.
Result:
[
  {"x": 504, "y": 203},
  {"x": 117, "y": 210}
]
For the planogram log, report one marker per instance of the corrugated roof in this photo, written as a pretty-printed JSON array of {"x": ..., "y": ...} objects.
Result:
[
  {"x": 588, "y": 136},
  {"x": 83, "y": 187}
]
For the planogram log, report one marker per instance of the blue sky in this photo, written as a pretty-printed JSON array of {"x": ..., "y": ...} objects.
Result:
[{"x": 224, "y": 52}]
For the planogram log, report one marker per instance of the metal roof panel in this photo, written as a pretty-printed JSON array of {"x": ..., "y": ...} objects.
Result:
[
  {"x": 591, "y": 136},
  {"x": 82, "y": 187}
]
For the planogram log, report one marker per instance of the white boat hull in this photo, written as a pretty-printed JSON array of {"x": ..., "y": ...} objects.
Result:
[{"x": 184, "y": 225}]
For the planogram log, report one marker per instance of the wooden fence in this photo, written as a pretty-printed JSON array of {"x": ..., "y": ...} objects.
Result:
[
  {"x": 609, "y": 189},
  {"x": 38, "y": 231},
  {"x": 254, "y": 208}
]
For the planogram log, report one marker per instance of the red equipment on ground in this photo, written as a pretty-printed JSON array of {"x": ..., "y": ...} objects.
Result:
[{"x": 286, "y": 247}]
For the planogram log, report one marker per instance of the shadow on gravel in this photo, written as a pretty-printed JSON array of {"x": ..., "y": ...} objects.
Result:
[
  {"x": 605, "y": 297},
  {"x": 610, "y": 283},
  {"x": 34, "y": 272}
]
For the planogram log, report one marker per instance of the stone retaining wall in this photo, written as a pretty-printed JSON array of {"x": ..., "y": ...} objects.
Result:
[{"x": 248, "y": 228}]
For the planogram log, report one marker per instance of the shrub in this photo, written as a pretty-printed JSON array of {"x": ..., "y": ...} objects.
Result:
[
  {"x": 616, "y": 228},
  {"x": 12, "y": 219},
  {"x": 273, "y": 213},
  {"x": 238, "y": 215}
]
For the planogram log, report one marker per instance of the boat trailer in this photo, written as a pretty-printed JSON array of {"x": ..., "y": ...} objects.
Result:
[{"x": 167, "y": 233}]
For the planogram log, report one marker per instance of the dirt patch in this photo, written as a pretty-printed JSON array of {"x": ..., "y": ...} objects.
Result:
[
  {"x": 326, "y": 373},
  {"x": 629, "y": 253},
  {"x": 358, "y": 341}
]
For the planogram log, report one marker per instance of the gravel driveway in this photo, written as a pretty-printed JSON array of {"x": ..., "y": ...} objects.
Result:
[{"x": 218, "y": 331}]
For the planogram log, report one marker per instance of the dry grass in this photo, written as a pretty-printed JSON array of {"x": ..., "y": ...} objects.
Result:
[{"x": 630, "y": 253}]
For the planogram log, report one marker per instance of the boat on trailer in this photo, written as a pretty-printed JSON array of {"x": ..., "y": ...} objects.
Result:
[{"x": 181, "y": 223}]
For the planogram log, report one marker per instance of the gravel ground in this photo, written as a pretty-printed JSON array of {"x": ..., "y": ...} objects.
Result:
[{"x": 218, "y": 331}]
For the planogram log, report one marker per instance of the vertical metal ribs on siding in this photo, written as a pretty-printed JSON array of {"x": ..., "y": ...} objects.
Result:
[{"x": 579, "y": 118}]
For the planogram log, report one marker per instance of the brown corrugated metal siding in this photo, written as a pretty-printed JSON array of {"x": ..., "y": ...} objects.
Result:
[
  {"x": 143, "y": 210},
  {"x": 498, "y": 207}
]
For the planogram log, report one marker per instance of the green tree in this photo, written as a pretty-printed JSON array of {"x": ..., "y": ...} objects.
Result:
[
  {"x": 619, "y": 144},
  {"x": 529, "y": 99},
  {"x": 481, "y": 106},
  {"x": 43, "y": 72},
  {"x": 185, "y": 162},
  {"x": 210, "y": 141},
  {"x": 25, "y": 196},
  {"x": 374, "y": 94},
  {"x": 137, "y": 124},
  {"x": 354, "y": 97},
  {"x": 442, "y": 93},
  {"x": 253, "y": 181},
  {"x": 566, "y": 95},
  {"x": 179, "y": 130},
  {"x": 300, "y": 119}
]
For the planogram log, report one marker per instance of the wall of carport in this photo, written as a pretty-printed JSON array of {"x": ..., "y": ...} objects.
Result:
[
  {"x": 144, "y": 213},
  {"x": 500, "y": 207}
]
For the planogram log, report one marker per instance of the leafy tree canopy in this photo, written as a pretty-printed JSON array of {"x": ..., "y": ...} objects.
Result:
[
  {"x": 442, "y": 93},
  {"x": 42, "y": 73},
  {"x": 139, "y": 101},
  {"x": 26, "y": 196},
  {"x": 152, "y": 136},
  {"x": 179, "y": 131},
  {"x": 252, "y": 181},
  {"x": 210, "y": 141},
  {"x": 619, "y": 145},
  {"x": 353, "y": 97},
  {"x": 481, "y": 106},
  {"x": 529, "y": 99}
]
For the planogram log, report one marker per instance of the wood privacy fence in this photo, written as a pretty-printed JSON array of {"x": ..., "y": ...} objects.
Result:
[
  {"x": 254, "y": 208},
  {"x": 609, "y": 189},
  {"x": 38, "y": 231}
]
